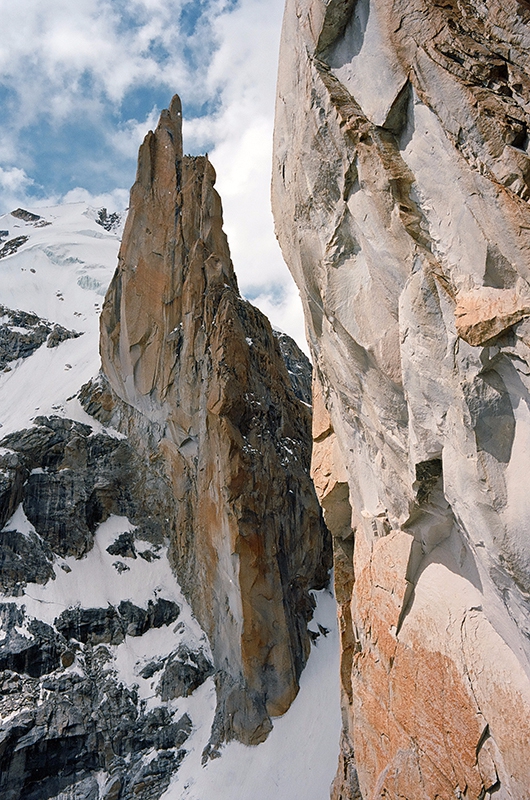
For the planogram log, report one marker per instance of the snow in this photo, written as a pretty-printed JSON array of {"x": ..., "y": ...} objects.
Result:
[
  {"x": 44, "y": 384},
  {"x": 18, "y": 329},
  {"x": 298, "y": 760},
  {"x": 93, "y": 581},
  {"x": 19, "y": 522}
]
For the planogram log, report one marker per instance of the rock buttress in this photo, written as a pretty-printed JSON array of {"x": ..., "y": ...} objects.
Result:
[
  {"x": 194, "y": 376},
  {"x": 400, "y": 190}
]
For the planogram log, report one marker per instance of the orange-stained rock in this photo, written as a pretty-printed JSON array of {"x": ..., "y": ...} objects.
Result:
[
  {"x": 198, "y": 384},
  {"x": 484, "y": 313}
]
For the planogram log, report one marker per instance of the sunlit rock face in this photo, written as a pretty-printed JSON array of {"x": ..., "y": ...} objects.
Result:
[
  {"x": 194, "y": 376},
  {"x": 401, "y": 183}
]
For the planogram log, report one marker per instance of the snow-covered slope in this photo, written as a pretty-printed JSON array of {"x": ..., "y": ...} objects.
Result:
[
  {"x": 120, "y": 638},
  {"x": 61, "y": 274}
]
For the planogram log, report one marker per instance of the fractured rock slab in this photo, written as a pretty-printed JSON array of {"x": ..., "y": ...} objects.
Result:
[{"x": 482, "y": 314}]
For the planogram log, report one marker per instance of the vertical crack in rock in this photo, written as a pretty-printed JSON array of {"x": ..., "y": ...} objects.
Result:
[
  {"x": 193, "y": 375},
  {"x": 400, "y": 192}
]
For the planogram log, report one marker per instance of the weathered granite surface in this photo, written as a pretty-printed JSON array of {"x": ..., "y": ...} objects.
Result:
[{"x": 401, "y": 182}]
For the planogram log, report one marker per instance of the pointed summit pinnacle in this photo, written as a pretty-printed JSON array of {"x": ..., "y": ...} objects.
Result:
[
  {"x": 171, "y": 122},
  {"x": 161, "y": 150}
]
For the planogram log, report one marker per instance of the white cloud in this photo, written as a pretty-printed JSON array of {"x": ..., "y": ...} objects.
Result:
[
  {"x": 14, "y": 179},
  {"x": 59, "y": 56},
  {"x": 49, "y": 49},
  {"x": 243, "y": 74},
  {"x": 128, "y": 137},
  {"x": 285, "y": 313},
  {"x": 117, "y": 200},
  {"x": 14, "y": 186}
]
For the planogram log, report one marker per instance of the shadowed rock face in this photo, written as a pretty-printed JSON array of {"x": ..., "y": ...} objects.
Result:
[
  {"x": 22, "y": 333},
  {"x": 400, "y": 191},
  {"x": 67, "y": 483},
  {"x": 194, "y": 376},
  {"x": 63, "y": 731},
  {"x": 80, "y": 733}
]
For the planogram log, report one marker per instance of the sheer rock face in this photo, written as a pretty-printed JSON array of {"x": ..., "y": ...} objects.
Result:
[
  {"x": 195, "y": 377},
  {"x": 401, "y": 184}
]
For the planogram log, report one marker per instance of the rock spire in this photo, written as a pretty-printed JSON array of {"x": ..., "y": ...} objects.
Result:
[{"x": 194, "y": 376}]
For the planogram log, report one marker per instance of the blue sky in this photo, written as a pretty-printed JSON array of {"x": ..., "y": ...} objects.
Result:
[{"x": 81, "y": 83}]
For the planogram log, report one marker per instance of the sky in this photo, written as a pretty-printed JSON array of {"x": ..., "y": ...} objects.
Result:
[{"x": 81, "y": 83}]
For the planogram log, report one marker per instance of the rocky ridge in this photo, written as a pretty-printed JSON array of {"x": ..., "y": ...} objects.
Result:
[
  {"x": 400, "y": 192},
  {"x": 22, "y": 333},
  {"x": 98, "y": 650}
]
